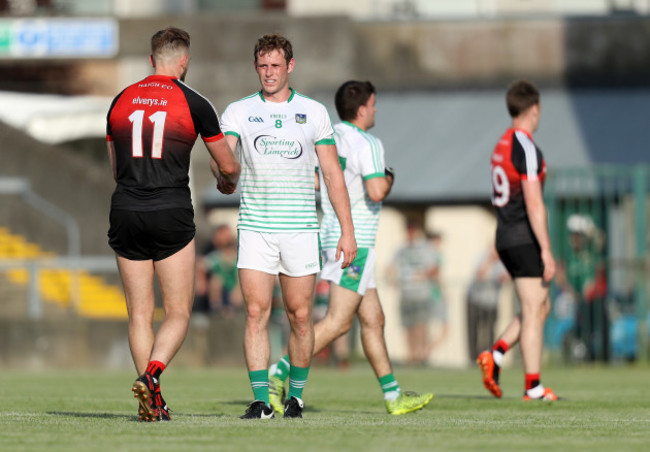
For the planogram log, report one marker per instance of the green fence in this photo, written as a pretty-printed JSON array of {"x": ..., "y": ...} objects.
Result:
[{"x": 598, "y": 220}]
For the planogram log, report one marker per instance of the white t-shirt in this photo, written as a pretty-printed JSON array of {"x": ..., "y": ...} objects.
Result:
[
  {"x": 278, "y": 155},
  {"x": 362, "y": 157}
]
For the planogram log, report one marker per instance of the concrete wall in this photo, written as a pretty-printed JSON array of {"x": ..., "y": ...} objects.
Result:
[
  {"x": 402, "y": 54},
  {"x": 467, "y": 232},
  {"x": 222, "y": 51},
  {"x": 77, "y": 343},
  {"x": 78, "y": 185}
]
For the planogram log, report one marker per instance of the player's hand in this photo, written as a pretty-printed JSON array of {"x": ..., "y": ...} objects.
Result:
[
  {"x": 549, "y": 265},
  {"x": 224, "y": 186},
  {"x": 348, "y": 246}
]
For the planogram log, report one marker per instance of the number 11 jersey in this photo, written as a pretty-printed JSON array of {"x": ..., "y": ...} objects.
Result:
[
  {"x": 153, "y": 125},
  {"x": 515, "y": 158}
]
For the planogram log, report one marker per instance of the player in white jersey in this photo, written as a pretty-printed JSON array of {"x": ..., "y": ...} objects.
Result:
[
  {"x": 353, "y": 290},
  {"x": 282, "y": 135}
]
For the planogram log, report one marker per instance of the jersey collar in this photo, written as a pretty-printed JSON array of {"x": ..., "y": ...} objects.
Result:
[
  {"x": 528, "y": 134},
  {"x": 353, "y": 126},
  {"x": 293, "y": 93},
  {"x": 158, "y": 76}
]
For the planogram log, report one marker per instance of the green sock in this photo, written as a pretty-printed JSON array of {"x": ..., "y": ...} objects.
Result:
[
  {"x": 281, "y": 369},
  {"x": 389, "y": 386},
  {"x": 297, "y": 381},
  {"x": 260, "y": 384}
]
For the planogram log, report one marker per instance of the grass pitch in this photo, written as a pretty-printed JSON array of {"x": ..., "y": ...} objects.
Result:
[{"x": 603, "y": 409}]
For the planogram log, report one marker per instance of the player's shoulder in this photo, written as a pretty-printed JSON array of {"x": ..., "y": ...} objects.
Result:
[
  {"x": 253, "y": 97},
  {"x": 523, "y": 138},
  {"x": 245, "y": 102},
  {"x": 505, "y": 145},
  {"x": 193, "y": 96},
  {"x": 366, "y": 138},
  {"x": 300, "y": 98}
]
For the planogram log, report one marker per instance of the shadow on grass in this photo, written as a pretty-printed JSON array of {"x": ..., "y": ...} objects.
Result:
[
  {"x": 127, "y": 416},
  {"x": 244, "y": 404},
  {"x": 464, "y": 397},
  {"x": 90, "y": 415}
]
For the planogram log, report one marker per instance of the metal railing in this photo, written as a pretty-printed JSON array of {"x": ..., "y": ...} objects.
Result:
[
  {"x": 75, "y": 265},
  {"x": 598, "y": 221}
]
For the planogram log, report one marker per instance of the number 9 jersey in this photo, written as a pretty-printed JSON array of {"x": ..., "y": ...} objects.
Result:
[
  {"x": 153, "y": 125},
  {"x": 515, "y": 158}
]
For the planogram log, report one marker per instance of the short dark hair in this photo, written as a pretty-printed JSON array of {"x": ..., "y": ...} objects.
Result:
[
  {"x": 350, "y": 96},
  {"x": 521, "y": 95},
  {"x": 273, "y": 41},
  {"x": 169, "y": 39}
]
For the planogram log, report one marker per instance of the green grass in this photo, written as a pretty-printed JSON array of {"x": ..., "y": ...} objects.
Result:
[{"x": 603, "y": 409}]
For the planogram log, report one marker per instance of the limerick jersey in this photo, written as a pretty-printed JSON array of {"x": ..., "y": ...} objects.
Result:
[
  {"x": 362, "y": 157},
  {"x": 515, "y": 158},
  {"x": 153, "y": 125},
  {"x": 278, "y": 155}
]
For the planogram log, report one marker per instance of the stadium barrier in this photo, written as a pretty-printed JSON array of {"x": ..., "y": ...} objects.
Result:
[{"x": 598, "y": 219}]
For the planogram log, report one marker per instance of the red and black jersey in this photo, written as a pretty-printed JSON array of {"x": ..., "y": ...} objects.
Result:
[
  {"x": 153, "y": 125},
  {"x": 515, "y": 158}
]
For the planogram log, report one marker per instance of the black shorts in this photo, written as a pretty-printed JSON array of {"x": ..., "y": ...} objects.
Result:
[
  {"x": 155, "y": 234},
  {"x": 523, "y": 261}
]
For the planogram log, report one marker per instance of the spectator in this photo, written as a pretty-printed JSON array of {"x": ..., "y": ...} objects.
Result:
[
  {"x": 416, "y": 268},
  {"x": 217, "y": 280},
  {"x": 483, "y": 301}
]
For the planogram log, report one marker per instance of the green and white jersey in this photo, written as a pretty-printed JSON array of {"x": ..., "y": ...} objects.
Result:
[
  {"x": 362, "y": 158},
  {"x": 278, "y": 155}
]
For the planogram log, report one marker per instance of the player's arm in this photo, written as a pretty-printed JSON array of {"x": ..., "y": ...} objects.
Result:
[
  {"x": 224, "y": 164},
  {"x": 109, "y": 136},
  {"x": 378, "y": 179},
  {"x": 338, "y": 195},
  {"x": 537, "y": 216},
  {"x": 111, "y": 157},
  {"x": 379, "y": 187}
]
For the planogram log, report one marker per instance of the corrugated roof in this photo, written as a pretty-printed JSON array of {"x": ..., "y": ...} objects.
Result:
[{"x": 440, "y": 142}]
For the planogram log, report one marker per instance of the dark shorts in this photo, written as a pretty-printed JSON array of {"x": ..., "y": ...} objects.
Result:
[
  {"x": 523, "y": 261},
  {"x": 155, "y": 234}
]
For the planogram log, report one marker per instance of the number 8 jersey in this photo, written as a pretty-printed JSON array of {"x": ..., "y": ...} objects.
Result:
[
  {"x": 153, "y": 125},
  {"x": 515, "y": 158}
]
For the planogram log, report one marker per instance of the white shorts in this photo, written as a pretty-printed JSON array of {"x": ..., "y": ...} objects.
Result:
[
  {"x": 358, "y": 277},
  {"x": 292, "y": 253}
]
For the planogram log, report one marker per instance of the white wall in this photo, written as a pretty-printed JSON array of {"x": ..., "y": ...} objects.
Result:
[
  {"x": 395, "y": 9},
  {"x": 467, "y": 232}
]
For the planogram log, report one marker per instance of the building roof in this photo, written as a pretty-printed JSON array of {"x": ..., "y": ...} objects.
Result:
[{"x": 440, "y": 142}]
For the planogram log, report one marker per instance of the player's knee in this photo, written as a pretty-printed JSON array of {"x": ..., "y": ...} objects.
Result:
[
  {"x": 141, "y": 316},
  {"x": 257, "y": 312},
  {"x": 179, "y": 314},
  {"x": 372, "y": 318},
  {"x": 300, "y": 316},
  {"x": 376, "y": 323}
]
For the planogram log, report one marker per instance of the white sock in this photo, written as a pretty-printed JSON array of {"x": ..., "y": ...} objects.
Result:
[
  {"x": 391, "y": 395},
  {"x": 498, "y": 357},
  {"x": 537, "y": 392}
]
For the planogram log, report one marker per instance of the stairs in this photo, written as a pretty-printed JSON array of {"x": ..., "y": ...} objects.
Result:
[{"x": 97, "y": 298}]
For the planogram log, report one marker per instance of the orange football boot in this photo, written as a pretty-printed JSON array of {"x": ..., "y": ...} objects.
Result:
[
  {"x": 549, "y": 395},
  {"x": 490, "y": 373}
]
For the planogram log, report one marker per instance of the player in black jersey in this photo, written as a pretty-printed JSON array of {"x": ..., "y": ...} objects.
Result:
[
  {"x": 151, "y": 128},
  {"x": 523, "y": 243}
]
